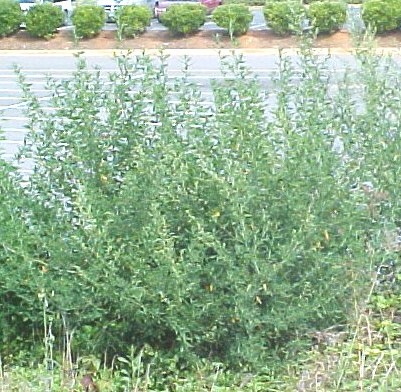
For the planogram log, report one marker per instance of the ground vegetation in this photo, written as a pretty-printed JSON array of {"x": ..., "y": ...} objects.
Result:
[{"x": 168, "y": 242}]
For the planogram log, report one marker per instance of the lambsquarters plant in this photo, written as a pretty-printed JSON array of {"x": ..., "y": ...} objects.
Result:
[{"x": 193, "y": 229}]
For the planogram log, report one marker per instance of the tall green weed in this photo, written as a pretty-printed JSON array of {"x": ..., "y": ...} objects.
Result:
[{"x": 223, "y": 232}]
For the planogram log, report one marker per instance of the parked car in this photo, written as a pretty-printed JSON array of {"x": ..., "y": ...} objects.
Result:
[
  {"x": 65, "y": 5},
  {"x": 111, "y": 6},
  {"x": 25, "y": 5},
  {"x": 162, "y": 5}
]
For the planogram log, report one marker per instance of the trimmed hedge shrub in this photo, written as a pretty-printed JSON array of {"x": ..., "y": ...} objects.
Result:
[
  {"x": 11, "y": 17},
  {"x": 327, "y": 16},
  {"x": 381, "y": 15},
  {"x": 246, "y": 2},
  {"x": 184, "y": 18},
  {"x": 133, "y": 19},
  {"x": 284, "y": 17},
  {"x": 88, "y": 20},
  {"x": 42, "y": 20},
  {"x": 345, "y": 1},
  {"x": 236, "y": 18}
]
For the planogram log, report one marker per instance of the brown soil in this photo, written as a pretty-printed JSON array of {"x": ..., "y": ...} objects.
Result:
[{"x": 63, "y": 40}]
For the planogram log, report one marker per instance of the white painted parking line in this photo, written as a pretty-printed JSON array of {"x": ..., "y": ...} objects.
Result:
[
  {"x": 68, "y": 72},
  {"x": 14, "y": 118},
  {"x": 20, "y": 104},
  {"x": 17, "y": 106},
  {"x": 14, "y": 82},
  {"x": 18, "y": 90},
  {"x": 14, "y": 130},
  {"x": 17, "y": 142},
  {"x": 9, "y": 98}
]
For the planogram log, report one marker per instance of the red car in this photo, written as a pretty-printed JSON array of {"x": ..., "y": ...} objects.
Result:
[{"x": 162, "y": 5}]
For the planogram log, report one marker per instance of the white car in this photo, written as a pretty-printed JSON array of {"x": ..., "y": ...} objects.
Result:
[
  {"x": 111, "y": 6},
  {"x": 65, "y": 5}
]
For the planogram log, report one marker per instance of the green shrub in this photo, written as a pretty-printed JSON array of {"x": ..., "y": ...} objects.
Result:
[
  {"x": 346, "y": 1},
  {"x": 88, "y": 20},
  {"x": 284, "y": 17},
  {"x": 11, "y": 17},
  {"x": 197, "y": 248},
  {"x": 189, "y": 233},
  {"x": 397, "y": 9},
  {"x": 327, "y": 16},
  {"x": 184, "y": 18},
  {"x": 381, "y": 15},
  {"x": 236, "y": 18},
  {"x": 42, "y": 20},
  {"x": 246, "y": 2},
  {"x": 133, "y": 19}
]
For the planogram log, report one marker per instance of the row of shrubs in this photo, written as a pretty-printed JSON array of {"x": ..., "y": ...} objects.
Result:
[
  {"x": 291, "y": 16},
  {"x": 283, "y": 17},
  {"x": 263, "y": 2},
  {"x": 42, "y": 20}
]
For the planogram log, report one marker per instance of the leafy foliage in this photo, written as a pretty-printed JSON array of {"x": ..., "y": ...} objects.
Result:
[
  {"x": 197, "y": 233},
  {"x": 381, "y": 15},
  {"x": 42, "y": 20},
  {"x": 284, "y": 17},
  {"x": 236, "y": 18},
  {"x": 11, "y": 17},
  {"x": 20, "y": 273},
  {"x": 184, "y": 18},
  {"x": 133, "y": 19},
  {"x": 247, "y": 2},
  {"x": 327, "y": 16},
  {"x": 88, "y": 20}
]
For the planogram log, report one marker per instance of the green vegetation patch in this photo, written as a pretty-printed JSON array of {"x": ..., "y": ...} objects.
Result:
[
  {"x": 382, "y": 16},
  {"x": 42, "y": 20},
  {"x": 88, "y": 20},
  {"x": 236, "y": 18},
  {"x": 173, "y": 239},
  {"x": 327, "y": 16},
  {"x": 133, "y": 20},
  {"x": 285, "y": 17},
  {"x": 11, "y": 17},
  {"x": 184, "y": 18}
]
